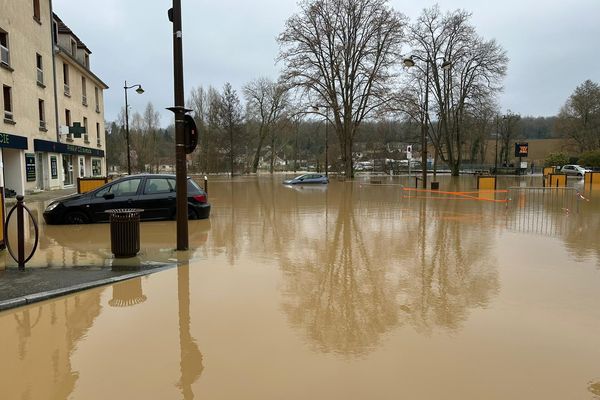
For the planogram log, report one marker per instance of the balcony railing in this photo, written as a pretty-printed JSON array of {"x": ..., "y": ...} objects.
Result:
[
  {"x": 67, "y": 90},
  {"x": 4, "y": 55},
  {"x": 8, "y": 115},
  {"x": 99, "y": 142},
  {"x": 97, "y": 108},
  {"x": 84, "y": 100},
  {"x": 40, "y": 76},
  {"x": 42, "y": 124},
  {"x": 86, "y": 138}
]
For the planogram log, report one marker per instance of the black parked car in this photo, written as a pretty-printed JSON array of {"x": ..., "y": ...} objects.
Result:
[{"x": 155, "y": 194}]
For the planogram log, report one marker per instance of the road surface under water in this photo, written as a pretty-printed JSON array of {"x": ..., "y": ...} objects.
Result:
[{"x": 346, "y": 291}]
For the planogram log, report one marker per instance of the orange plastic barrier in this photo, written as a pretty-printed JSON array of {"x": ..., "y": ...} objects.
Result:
[
  {"x": 85, "y": 185},
  {"x": 549, "y": 170},
  {"x": 592, "y": 178},
  {"x": 486, "y": 182},
  {"x": 556, "y": 180}
]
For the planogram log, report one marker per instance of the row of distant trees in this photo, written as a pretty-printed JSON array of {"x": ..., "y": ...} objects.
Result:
[{"x": 344, "y": 70}]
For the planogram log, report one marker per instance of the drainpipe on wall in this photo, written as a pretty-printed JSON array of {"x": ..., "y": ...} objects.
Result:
[{"x": 54, "y": 71}]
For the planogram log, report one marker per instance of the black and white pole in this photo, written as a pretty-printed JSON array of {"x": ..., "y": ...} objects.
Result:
[{"x": 179, "y": 110}]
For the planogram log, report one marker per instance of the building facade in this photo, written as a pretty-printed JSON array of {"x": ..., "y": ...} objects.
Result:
[{"x": 52, "y": 124}]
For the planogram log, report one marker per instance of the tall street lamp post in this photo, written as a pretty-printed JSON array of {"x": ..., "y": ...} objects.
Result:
[
  {"x": 409, "y": 62},
  {"x": 180, "y": 111},
  {"x": 139, "y": 90}
]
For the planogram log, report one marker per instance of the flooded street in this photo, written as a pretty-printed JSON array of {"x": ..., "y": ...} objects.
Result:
[{"x": 340, "y": 291}]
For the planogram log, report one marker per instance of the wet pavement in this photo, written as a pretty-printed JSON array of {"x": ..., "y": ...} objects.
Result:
[{"x": 350, "y": 291}]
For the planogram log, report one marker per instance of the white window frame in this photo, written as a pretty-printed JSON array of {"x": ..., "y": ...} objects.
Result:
[{"x": 5, "y": 50}]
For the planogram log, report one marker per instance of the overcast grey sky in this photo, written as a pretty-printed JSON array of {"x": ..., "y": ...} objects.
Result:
[{"x": 552, "y": 45}]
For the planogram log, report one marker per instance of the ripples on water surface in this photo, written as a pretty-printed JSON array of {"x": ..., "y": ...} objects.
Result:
[{"x": 351, "y": 291}]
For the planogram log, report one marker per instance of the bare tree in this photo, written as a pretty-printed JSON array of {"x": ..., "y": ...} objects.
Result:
[
  {"x": 206, "y": 104},
  {"x": 479, "y": 125},
  {"x": 342, "y": 54},
  {"x": 150, "y": 129},
  {"x": 230, "y": 117},
  {"x": 508, "y": 132},
  {"x": 579, "y": 118},
  {"x": 476, "y": 70},
  {"x": 266, "y": 103}
]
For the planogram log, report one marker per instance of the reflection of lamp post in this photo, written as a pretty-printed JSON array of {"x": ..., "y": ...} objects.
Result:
[
  {"x": 409, "y": 62},
  {"x": 139, "y": 90},
  {"x": 316, "y": 108}
]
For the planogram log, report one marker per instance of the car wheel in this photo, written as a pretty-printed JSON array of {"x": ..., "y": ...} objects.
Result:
[
  {"x": 76, "y": 217},
  {"x": 192, "y": 214}
]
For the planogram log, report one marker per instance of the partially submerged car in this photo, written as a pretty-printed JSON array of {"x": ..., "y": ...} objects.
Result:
[
  {"x": 153, "y": 193},
  {"x": 307, "y": 179}
]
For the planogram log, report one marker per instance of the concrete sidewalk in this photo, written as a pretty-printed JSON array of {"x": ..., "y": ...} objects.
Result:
[
  {"x": 40, "y": 282},
  {"x": 43, "y": 196},
  {"x": 18, "y": 288}
]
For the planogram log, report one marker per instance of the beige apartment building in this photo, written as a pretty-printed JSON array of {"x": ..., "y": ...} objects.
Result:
[{"x": 52, "y": 121}]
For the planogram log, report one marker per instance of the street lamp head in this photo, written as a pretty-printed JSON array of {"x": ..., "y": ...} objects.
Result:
[
  {"x": 446, "y": 65},
  {"x": 408, "y": 62},
  {"x": 139, "y": 90}
]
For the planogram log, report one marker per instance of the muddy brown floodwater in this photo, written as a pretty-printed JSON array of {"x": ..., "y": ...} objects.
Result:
[{"x": 351, "y": 291}]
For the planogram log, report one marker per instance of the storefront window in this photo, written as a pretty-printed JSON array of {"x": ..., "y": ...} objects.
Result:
[{"x": 96, "y": 167}]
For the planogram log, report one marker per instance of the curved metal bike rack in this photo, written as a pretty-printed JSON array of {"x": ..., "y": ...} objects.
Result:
[{"x": 20, "y": 258}]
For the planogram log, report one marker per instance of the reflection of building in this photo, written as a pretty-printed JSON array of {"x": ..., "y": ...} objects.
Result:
[
  {"x": 38, "y": 340},
  {"x": 49, "y": 96}
]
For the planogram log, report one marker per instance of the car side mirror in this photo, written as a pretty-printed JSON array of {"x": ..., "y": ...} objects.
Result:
[{"x": 108, "y": 196}]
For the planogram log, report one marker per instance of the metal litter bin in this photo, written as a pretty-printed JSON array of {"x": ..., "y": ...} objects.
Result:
[{"x": 125, "y": 231}]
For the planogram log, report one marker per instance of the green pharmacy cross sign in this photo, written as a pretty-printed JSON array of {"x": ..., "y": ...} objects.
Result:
[{"x": 77, "y": 130}]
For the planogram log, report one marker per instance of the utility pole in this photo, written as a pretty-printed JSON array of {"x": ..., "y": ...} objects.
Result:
[{"x": 179, "y": 110}]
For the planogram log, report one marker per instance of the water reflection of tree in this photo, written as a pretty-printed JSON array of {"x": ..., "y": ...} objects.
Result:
[
  {"x": 342, "y": 298},
  {"x": 252, "y": 217},
  {"x": 580, "y": 238},
  {"x": 353, "y": 261},
  {"x": 451, "y": 272},
  {"x": 576, "y": 224}
]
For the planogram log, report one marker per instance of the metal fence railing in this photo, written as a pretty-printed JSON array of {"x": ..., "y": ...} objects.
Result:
[{"x": 541, "y": 210}]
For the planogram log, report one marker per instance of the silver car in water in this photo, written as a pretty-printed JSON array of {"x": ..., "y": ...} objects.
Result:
[
  {"x": 307, "y": 179},
  {"x": 576, "y": 170}
]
